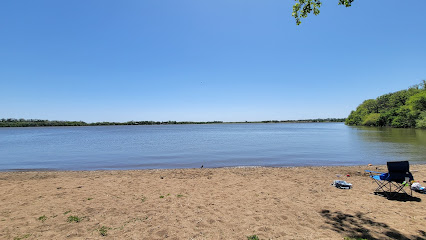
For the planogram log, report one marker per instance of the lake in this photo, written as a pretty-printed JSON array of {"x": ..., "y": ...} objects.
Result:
[{"x": 211, "y": 145}]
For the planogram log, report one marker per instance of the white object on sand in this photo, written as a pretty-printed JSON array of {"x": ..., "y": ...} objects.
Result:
[{"x": 342, "y": 184}]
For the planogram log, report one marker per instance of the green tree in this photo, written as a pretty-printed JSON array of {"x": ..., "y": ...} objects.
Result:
[
  {"x": 353, "y": 119},
  {"x": 417, "y": 102},
  {"x": 371, "y": 119},
  {"x": 402, "y": 109},
  {"x": 302, "y": 8},
  {"x": 359, "y": 116},
  {"x": 421, "y": 121},
  {"x": 404, "y": 119}
]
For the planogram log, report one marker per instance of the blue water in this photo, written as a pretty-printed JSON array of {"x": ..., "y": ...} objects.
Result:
[{"x": 214, "y": 145}]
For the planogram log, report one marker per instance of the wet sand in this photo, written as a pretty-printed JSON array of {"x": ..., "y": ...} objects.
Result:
[{"x": 224, "y": 203}]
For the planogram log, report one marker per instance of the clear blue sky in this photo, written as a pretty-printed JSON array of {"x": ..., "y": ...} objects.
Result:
[{"x": 192, "y": 60}]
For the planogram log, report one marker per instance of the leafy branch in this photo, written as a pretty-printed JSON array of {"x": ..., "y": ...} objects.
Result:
[{"x": 302, "y": 8}]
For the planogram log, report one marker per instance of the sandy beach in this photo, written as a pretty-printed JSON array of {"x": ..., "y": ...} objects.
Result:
[{"x": 223, "y": 203}]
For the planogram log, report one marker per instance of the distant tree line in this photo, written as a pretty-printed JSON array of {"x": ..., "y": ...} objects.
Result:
[
  {"x": 302, "y": 120},
  {"x": 13, "y": 122},
  {"x": 401, "y": 109},
  {"x": 318, "y": 120}
]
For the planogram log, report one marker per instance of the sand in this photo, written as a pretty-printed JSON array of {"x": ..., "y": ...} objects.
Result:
[{"x": 223, "y": 203}]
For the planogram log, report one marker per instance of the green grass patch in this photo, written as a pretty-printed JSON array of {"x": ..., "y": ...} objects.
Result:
[
  {"x": 104, "y": 231},
  {"x": 143, "y": 199},
  {"x": 253, "y": 237},
  {"x": 179, "y": 195},
  {"x": 89, "y": 198},
  {"x": 74, "y": 219},
  {"x": 65, "y": 213},
  {"x": 162, "y": 196},
  {"x": 42, "y": 218},
  {"x": 22, "y": 237}
]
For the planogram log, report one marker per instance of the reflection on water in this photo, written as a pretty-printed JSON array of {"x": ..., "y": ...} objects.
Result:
[
  {"x": 397, "y": 135},
  {"x": 396, "y": 143}
]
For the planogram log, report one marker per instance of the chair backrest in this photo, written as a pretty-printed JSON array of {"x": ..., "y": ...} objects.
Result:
[
  {"x": 402, "y": 166},
  {"x": 398, "y": 171}
]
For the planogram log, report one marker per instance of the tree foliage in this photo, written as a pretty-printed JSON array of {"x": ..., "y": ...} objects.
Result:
[
  {"x": 302, "y": 8},
  {"x": 401, "y": 109}
]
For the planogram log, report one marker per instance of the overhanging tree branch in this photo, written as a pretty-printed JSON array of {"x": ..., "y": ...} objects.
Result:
[{"x": 302, "y": 8}]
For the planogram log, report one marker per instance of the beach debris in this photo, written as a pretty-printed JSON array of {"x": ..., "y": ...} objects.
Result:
[
  {"x": 418, "y": 188},
  {"x": 370, "y": 164},
  {"x": 341, "y": 184},
  {"x": 162, "y": 177},
  {"x": 348, "y": 175},
  {"x": 338, "y": 175}
]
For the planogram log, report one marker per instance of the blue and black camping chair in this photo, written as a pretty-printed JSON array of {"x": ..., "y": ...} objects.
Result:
[{"x": 392, "y": 183}]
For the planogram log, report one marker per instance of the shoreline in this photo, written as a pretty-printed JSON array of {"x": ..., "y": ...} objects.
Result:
[
  {"x": 204, "y": 168},
  {"x": 208, "y": 203}
]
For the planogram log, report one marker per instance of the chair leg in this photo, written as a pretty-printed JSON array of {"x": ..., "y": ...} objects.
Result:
[{"x": 391, "y": 189}]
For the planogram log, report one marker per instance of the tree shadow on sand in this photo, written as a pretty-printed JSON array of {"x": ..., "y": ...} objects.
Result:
[{"x": 360, "y": 226}]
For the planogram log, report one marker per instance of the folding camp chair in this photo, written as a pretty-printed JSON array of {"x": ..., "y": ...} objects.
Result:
[{"x": 392, "y": 183}]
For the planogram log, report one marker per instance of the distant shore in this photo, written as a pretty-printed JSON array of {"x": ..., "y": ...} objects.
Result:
[
  {"x": 12, "y": 122},
  {"x": 220, "y": 203}
]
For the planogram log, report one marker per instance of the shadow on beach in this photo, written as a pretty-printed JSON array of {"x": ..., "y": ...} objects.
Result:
[
  {"x": 396, "y": 196},
  {"x": 361, "y": 227}
]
